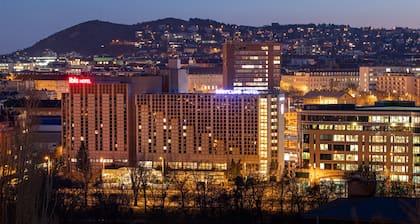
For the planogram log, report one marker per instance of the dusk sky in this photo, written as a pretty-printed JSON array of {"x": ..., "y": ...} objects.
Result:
[{"x": 23, "y": 22}]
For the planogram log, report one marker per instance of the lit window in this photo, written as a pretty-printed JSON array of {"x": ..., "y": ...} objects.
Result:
[
  {"x": 338, "y": 138},
  {"x": 377, "y": 158},
  {"x": 399, "y": 148},
  {"x": 352, "y": 138},
  {"x": 401, "y": 178},
  {"x": 339, "y": 127},
  {"x": 399, "y": 119},
  {"x": 338, "y": 157},
  {"x": 378, "y": 139},
  {"x": 416, "y": 139},
  {"x": 351, "y": 157},
  {"x": 354, "y": 148},
  {"x": 323, "y": 146},
  {"x": 377, "y": 148},
  {"x": 399, "y": 139},
  {"x": 351, "y": 166}
]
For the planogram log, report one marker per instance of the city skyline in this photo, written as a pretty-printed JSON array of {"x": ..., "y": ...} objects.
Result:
[{"x": 26, "y": 23}]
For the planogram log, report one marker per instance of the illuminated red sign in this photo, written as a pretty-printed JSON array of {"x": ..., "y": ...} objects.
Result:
[{"x": 77, "y": 80}]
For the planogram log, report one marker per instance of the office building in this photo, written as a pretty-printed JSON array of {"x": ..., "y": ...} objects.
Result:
[
  {"x": 335, "y": 139},
  {"x": 368, "y": 75},
  {"x": 251, "y": 66}
]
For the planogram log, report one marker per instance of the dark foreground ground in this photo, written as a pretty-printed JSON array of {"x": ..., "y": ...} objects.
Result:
[{"x": 130, "y": 217}]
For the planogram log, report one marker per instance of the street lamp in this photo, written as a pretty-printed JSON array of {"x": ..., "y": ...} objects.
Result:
[
  {"x": 163, "y": 178},
  {"x": 163, "y": 166},
  {"x": 47, "y": 159},
  {"x": 102, "y": 160}
]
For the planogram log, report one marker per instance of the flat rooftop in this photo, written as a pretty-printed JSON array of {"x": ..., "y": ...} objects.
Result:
[{"x": 379, "y": 106}]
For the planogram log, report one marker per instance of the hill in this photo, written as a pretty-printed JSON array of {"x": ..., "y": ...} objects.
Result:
[
  {"x": 203, "y": 37},
  {"x": 88, "y": 38},
  {"x": 96, "y": 37}
]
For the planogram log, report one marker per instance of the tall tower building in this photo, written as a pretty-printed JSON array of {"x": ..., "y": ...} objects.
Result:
[
  {"x": 177, "y": 77},
  {"x": 251, "y": 66}
]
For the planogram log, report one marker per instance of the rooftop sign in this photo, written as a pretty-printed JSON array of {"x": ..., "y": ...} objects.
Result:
[
  {"x": 229, "y": 91},
  {"x": 77, "y": 80}
]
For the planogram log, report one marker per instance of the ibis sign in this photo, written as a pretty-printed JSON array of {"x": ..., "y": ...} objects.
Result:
[{"x": 77, "y": 80}]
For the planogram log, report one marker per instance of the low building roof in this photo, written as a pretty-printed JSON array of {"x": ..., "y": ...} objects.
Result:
[
  {"x": 367, "y": 210},
  {"x": 315, "y": 94}
]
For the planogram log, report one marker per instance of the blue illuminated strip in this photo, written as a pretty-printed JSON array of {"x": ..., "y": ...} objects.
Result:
[{"x": 236, "y": 91}]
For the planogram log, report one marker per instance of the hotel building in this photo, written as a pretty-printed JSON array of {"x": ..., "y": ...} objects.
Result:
[
  {"x": 335, "y": 139},
  {"x": 98, "y": 115},
  {"x": 253, "y": 66},
  {"x": 121, "y": 125},
  {"x": 207, "y": 131}
]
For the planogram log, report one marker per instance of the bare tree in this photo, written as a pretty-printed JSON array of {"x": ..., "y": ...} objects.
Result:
[
  {"x": 38, "y": 199},
  {"x": 202, "y": 189},
  {"x": 84, "y": 167},
  {"x": 33, "y": 189},
  {"x": 223, "y": 200},
  {"x": 253, "y": 193},
  {"x": 282, "y": 192},
  {"x": 140, "y": 177},
  {"x": 181, "y": 184},
  {"x": 238, "y": 192},
  {"x": 6, "y": 163},
  {"x": 296, "y": 197}
]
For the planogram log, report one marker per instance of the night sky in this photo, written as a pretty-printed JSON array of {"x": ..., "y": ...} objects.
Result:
[{"x": 23, "y": 22}]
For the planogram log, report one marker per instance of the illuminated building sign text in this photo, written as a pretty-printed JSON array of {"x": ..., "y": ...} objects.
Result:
[{"x": 77, "y": 80}]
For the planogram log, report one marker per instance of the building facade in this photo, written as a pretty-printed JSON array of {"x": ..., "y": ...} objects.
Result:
[
  {"x": 306, "y": 81},
  {"x": 207, "y": 131},
  {"x": 368, "y": 75},
  {"x": 397, "y": 84},
  {"x": 251, "y": 66},
  {"x": 335, "y": 139},
  {"x": 328, "y": 97},
  {"x": 7, "y": 142},
  {"x": 121, "y": 125},
  {"x": 205, "y": 80},
  {"x": 97, "y": 115}
]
